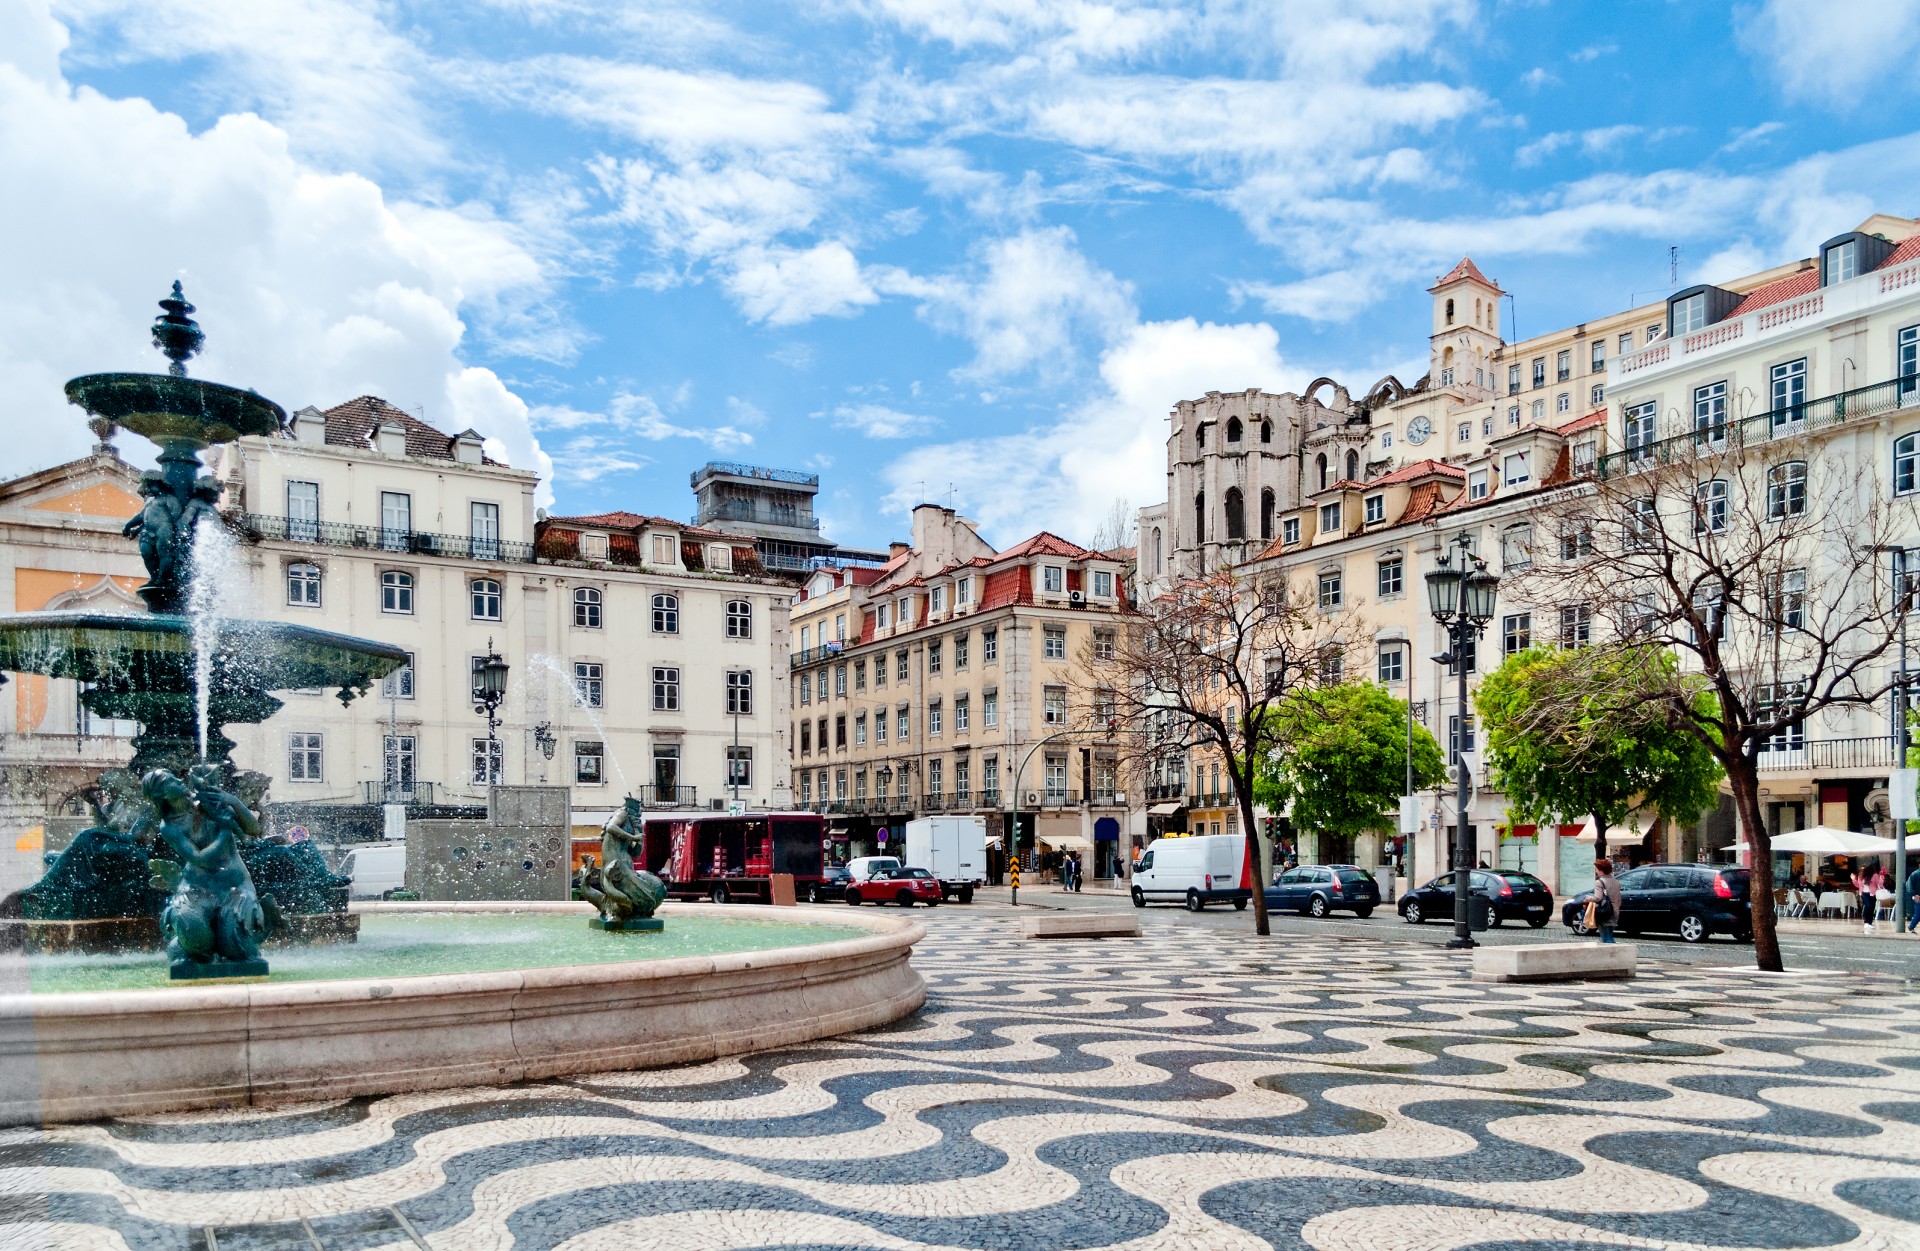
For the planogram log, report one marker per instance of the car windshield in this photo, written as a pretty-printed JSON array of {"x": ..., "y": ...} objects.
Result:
[{"x": 911, "y": 873}]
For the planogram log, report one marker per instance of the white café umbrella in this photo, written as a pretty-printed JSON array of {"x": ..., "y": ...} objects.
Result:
[{"x": 1824, "y": 840}]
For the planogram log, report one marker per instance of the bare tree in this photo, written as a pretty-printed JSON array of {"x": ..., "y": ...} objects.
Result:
[
  {"x": 1752, "y": 552},
  {"x": 1116, "y": 528},
  {"x": 1201, "y": 667}
]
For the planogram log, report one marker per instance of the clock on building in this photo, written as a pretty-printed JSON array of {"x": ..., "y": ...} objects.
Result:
[{"x": 1418, "y": 430}]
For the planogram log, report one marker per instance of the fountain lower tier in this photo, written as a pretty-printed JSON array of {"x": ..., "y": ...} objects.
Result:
[{"x": 142, "y": 667}]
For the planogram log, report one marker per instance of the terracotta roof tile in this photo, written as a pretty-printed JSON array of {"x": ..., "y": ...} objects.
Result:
[
  {"x": 353, "y": 423},
  {"x": 1465, "y": 269},
  {"x": 1592, "y": 420},
  {"x": 1909, "y": 250},
  {"x": 1778, "y": 291},
  {"x": 1047, "y": 543},
  {"x": 1419, "y": 469},
  {"x": 620, "y": 519},
  {"x": 1423, "y": 501}
]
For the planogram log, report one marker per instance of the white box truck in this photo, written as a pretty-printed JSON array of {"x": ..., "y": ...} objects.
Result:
[
  {"x": 953, "y": 849},
  {"x": 1194, "y": 869}
]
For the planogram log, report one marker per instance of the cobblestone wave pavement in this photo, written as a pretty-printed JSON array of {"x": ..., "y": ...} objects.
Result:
[{"x": 1192, "y": 1088}]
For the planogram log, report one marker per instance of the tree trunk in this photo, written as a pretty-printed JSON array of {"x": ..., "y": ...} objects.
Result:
[
  {"x": 1744, "y": 780},
  {"x": 1599, "y": 836},
  {"x": 1252, "y": 859}
]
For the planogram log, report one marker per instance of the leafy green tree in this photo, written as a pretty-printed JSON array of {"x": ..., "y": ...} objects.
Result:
[
  {"x": 1340, "y": 759},
  {"x": 1568, "y": 736}
]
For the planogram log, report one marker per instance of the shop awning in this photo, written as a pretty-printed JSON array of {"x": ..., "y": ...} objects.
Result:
[
  {"x": 1069, "y": 842},
  {"x": 1164, "y": 810}
]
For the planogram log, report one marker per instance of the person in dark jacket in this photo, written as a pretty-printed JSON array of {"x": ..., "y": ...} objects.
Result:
[
  {"x": 1912, "y": 889},
  {"x": 1606, "y": 892}
]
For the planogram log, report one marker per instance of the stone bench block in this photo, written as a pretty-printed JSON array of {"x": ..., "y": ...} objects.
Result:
[
  {"x": 1081, "y": 925},
  {"x": 1553, "y": 962}
]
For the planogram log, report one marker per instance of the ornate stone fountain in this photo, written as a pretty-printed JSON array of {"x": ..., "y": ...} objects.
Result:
[{"x": 174, "y": 846}]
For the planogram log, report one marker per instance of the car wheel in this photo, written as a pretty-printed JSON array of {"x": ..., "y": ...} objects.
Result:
[
  {"x": 1693, "y": 927},
  {"x": 1194, "y": 902},
  {"x": 1494, "y": 918},
  {"x": 966, "y": 894},
  {"x": 852, "y": 897},
  {"x": 1317, "y": 907},
  {"x": 1139, "y": 900},
  {"x": 1411, "y": 912},
  {"x": 813, "y": 894},
  {"x": 1239, "y": 905},
  {"x": 935, "y": 903},
  {"x": 718, "y": 894},
  {"x": 904, "y": 899},
  {"x": 1538, "y": 923},
  {"x": 1363, "y": 913}
]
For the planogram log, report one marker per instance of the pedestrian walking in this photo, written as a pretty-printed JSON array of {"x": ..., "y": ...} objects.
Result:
[
  {"x": 1867, "y": 883},
  {"x": 1603, "y": 909},
  {"x": 1913, "y": 901}
]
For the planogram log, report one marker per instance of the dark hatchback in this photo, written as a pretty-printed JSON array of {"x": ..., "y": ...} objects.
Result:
[
  {"x": 832, "y": 884},
  {"x": 1510, "y": 894},
  {"x": 1317, "y": 889},
  {"x": 1694, "y": 901}
]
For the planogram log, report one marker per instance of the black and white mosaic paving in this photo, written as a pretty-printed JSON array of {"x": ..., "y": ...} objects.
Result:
[{"x": 1189, "y": 1089}]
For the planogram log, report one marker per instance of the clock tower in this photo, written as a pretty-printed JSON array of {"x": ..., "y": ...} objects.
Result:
[{"x": 1466, "y": 332}]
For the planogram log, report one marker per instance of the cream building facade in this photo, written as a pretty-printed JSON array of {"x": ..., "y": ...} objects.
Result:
[{"x": 921, "y": 685}]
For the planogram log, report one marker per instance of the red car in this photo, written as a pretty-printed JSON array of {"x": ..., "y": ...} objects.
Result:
[{"x": 902, "y": 886}]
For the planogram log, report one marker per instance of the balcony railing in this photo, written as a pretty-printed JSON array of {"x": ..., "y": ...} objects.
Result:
[
  {"x": 1828, "y": 754},
  {"x": 761, "y": 472},
  {"x": 666, "y": 796},
  {"x": 260, "y": 526},
  {"x": 814, "y": 655},
  {"x": 1162, "y": 792},
  {"x": 1780, "y": 423},
  {"x": 413, "y": 794}
]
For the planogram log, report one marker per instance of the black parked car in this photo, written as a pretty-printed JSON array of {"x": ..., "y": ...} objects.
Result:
[
  {"x": 1317, "y": 889},
  {"x": 1511, "y": 894},
  {"x": 832, "y": 886},
  {"x": 1691, "y": 900}
]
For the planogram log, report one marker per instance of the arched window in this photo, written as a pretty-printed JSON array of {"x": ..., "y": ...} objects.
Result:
[
  {"x": 1200, "y": 436},
  {"x": 586, "y": 607},
  {"x": 1233, "y": 429},
  {"x": 1266, "y": 432},
  {"x": 1476, "y": 312},
  {"x": 1449, "y": 312},
  {"x": 1906, "y": 465},
  {"x": 1236, "y": 515},
  {"x": 1159, "y": 552},
  {"x": 739, "y": 619},
  {"x": 303, "y": 585},
  {"x": 396, "y": 591},
  {"x": 1321, "y": 462},
  {"x": 1200, "y": 517},
  {"x": 1787, "y": 490},
  {"x": 1266, "y": 514},
  {"x": 1353, "y": 466},
  {"x": 666, "y": 614},
  {"x": 484, "y": 593},
  {"x": 1710, "y": 507}
]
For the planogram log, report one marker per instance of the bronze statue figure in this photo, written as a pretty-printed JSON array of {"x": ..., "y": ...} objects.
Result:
[
  {"x": 213, "y": 921},
  {"x": 625, "y": 896}
]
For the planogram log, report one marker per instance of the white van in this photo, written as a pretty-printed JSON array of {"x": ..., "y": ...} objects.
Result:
[
  {"x": 1195, "y": 869},
  {"x": 376, "y": 869},
  {"x": 864, "y": 867}
]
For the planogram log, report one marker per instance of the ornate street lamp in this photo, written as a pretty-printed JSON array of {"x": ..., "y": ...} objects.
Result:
[
  {"x": 489, "y": 691},
  {"x": 1460, "y": 593}
]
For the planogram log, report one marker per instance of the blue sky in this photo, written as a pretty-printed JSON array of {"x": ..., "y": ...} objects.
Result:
[{"x": 955, "y": 251}]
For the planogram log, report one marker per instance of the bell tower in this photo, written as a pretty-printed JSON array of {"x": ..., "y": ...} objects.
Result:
[{"x": 1466, "y": 330}]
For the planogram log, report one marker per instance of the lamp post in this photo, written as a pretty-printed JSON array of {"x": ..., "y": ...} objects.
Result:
[
  {"x": 1460, "y": 594},
  {"x": 489, "y": 691},
  {"x": 1899, "y": 776}
]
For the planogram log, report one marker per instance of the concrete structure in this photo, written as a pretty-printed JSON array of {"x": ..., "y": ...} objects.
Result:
[
  {"x": 1081, "y": 925},
  {"x": 774, "y": 508},
  {"x": 919, "y": 686},
  {"x": 1555, "y": 962},
  {"x": 64, "y": 1056},
  {"x": 521, "y": 851}
]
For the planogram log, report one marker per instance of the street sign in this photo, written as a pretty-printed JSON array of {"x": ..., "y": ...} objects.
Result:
[
  {"x": 736, "y": 809},
  {"x": 1409, "y": 814},
  {"x": 1901, "y": 784}
]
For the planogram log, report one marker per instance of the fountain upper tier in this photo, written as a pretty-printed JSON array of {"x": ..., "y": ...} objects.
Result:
[{"x": 169, "y": 409}]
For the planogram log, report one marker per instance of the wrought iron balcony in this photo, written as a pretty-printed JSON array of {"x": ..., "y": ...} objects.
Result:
[
  {"x": 1791, "y": 421},
  {"x": 260, "y": 527},
  {"x": 412, "y": 794},
  {"x": 666, "y": 796}
]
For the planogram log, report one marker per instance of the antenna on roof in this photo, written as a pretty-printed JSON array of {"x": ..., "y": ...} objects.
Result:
[{"x": 1673, "y": 267}]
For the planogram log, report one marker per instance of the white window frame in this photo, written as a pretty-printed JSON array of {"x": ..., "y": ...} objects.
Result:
[{"x": 306, "y": 756}]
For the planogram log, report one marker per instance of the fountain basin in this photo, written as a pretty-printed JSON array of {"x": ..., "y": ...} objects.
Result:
[{"x": 86, "y": 1054}]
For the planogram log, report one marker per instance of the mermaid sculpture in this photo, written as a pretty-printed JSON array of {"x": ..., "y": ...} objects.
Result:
[
  {"x": 625, "y": 896},
  {"x": 213, "y": 921}
]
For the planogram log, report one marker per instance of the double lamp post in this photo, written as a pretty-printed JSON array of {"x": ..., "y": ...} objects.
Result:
[{"x": 1460, "y": 593}]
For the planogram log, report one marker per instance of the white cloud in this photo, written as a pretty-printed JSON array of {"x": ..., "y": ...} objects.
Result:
[
  {"x": 1065, "y": 476},
  {"x": 876, "y": 421},
  {"x": 1537, "y": 77},
  {"x": 313, "y": 287},
  {"x": 1599, "y": 142},
  {"x": 1036, "y": 299},
  {"x": 1593, "y": 52},
  {"x": 1833, "y": 56},
  {"x": 785, "y": 286},
  {"x": 602, "y": 443}
]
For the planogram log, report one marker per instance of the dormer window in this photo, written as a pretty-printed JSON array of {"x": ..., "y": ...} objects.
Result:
[
  {"x": 1053, "y": 579},
  {"x": 719, "y": 558},
  {"x": 665, "y": 550},
  {"x": 1330, "y": 518},
  {"x": 1477, "y": 485},
  {"x": 938, "y": 597},
  {"x": 1376, "y": 508},
  {"x": 1850, "y": 255},
  {"x": 593, "y": 547},
  {"x": 1689, "y": 314},
  {"x": 1290, "y": 530},
  {"x": 1843, "y": 262},
  {"x": 1516, "y": 469}
]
